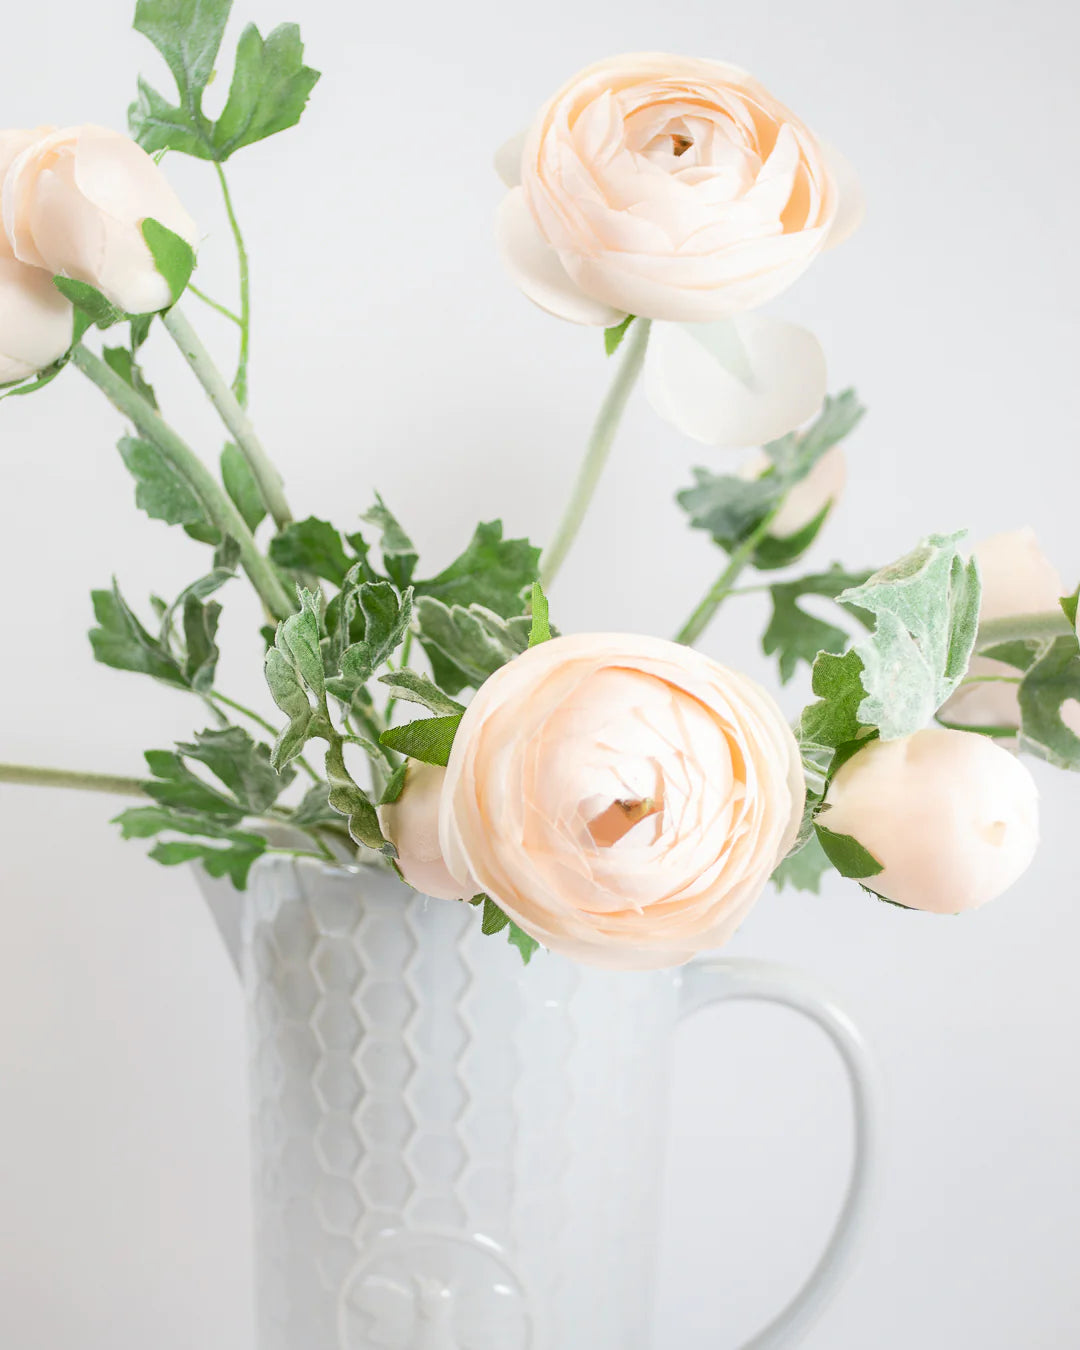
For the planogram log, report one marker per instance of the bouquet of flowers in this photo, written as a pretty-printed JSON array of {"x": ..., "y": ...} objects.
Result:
[{"x": 622, "y": 799}]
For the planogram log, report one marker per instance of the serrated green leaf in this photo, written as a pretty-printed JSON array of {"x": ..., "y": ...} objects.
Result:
[
  {"x": 270, "y": 88},
  {"x": 804, "y": 869},
  {"x": 429, "y": 739},
  {"x": 614, "y": 335},
  {"x": 474, "y": 642},
  {"x": 540, "y": 629},
  {"x": 233, "y": 858},
  {"x": 173, "y": 257},
  {"x": 847, "y": 855},
  {"x": 314, "y": 809},
  {"x": 90, "y": 301},
  {"x": 174, "y": 785},
  {"x": 494, "y": 920},
  {"x": 398, "y": 550},
  {"x": 386, "y": 621},
  {"x": 926, "y": 607},
  {"x": 120, "y": 641},
  {"x": 241, "y": 764},
  {"x": 1019, "y": 654},
  {"x": 200, "y": 623},
  {"x": 1051, "y": 683},
  {"x": 493, "y": 572},
  {"x": 159, "y": 489},
  {"x": 351, "y": 801},
  {"x": 312, "y": 547},
  {"x": 241, "y": 486},
  {"x": 188, "y": 35},
  {"x": 298, "y": 639},
  {"x": 417, "y": 688},
  {"x": 793, "y": 635},
  {"x": 833, "y": 721},
  {"x": 288, "y": 693}
]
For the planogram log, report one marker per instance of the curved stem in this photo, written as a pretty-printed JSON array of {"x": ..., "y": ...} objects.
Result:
[
  {"x": 235, "y": 418},
  {"x": 28, "y": 775},
  {"x": 218, "y": 506},
  {"x": 1021, "y": 627},
  {"x": 723, "y": 586},
  {"x": 240, "y": 382},
  {"x": 598, "y": 448},
  {"x": 214, "y": 304}
]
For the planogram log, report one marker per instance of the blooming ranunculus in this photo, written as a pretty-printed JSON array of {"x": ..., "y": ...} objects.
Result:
[
  {"x": 412, "y": 825},
  {"x": 820, "y": 489},
  {"x": 952, "y": 817},
  {"x": 74, "y": 202},
  {"x": 667, "y": 187},
  {"x": 623, "y": 799},
  {"x": 1017, "y": 578}
]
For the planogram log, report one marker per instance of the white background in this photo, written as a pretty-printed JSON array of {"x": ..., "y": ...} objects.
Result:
[{"x": 390, "y": 351}]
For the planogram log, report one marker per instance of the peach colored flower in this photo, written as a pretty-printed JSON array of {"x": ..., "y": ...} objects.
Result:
[
  {"x": 953, "y": 818},
  {"x": 623, "y": 799},
  {"x": 74, "y": 202},
  {"x": 412, "y": 825},
  {"x": 667, "y": 187},
  {"x": 1017, "y": 578}
]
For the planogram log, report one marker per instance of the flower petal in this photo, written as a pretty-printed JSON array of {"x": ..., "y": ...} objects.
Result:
[
  {"x": 737, "y": 383},
  {"x": 536, "y": 268},
  {"x": 852, "y": 208},
  {"x": 508, "y": 159}
]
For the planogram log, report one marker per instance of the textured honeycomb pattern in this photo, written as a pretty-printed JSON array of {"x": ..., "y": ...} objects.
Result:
[{"x": 452, "y": 1152}]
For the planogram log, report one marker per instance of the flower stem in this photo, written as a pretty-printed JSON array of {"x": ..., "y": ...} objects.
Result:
[
  {"x": 598, "y": 448},
  {"x": 28, "y": 775},
  {"x": 1021, "y": 627},
  {"x": 215, "y": 304},
  {"x": 240, "y": 385},
  {"x": 723, "y": 586},
  {"x": 232, "y": 414},
  {"x": 218, "y": 506}
]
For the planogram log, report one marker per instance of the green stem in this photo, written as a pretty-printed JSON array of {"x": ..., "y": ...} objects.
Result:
[
  {"x": 240, "y": 385},
  {"x": 723, "y": 586},
  {"x": 232, "y": 414},
  {"x": 218, "y": 506},
  {"x": 28, "y": 775},
  {"x": 991, "y": 679},
  {"x": 406, "y": 652},
  {"x": 215, "y": 304},
  {"x": 598, "y": 448},
  {"x": 1023, "y": 627}
]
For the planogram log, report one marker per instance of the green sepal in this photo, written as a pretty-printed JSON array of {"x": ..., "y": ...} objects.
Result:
[
  {"x": 429, "y": 739},
  {"x": 101, "y": 312},
  {"x": 540, "y": 629},
  {"x": 614, "y": 335},
  {"x": 493, "y": 920},
  {"x": 395, "y": 785},
  {"x": 173, "y": 257},
  {"x": 846, "y": 854}
]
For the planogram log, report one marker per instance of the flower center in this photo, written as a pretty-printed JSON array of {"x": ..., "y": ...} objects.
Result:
[
  {"x": 680, "y": 143},
  {"x": 617, "y": 820}
]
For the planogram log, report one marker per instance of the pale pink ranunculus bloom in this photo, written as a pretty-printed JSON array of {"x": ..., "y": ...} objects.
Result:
[
  {"x": 74, "y": 202},
  {"x": 411, "y": 824},
  {"x": 667, "y": 187},
  {"x": 623, "y": 799},
  {"x": 1017, "y": 578},
  {"x": 952, "y": 817}
]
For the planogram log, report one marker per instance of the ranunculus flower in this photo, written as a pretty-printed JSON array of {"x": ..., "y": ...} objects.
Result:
[
  {"x": 1017, "y": 578},
  {"x": 680, "y": 190},
  {"x": 74, "y": 202},
  {"x": 35, "y": 321},
  {"x": 412, "y": 825},
  {"x": 623, "y": 799},
  {"x": 952, "y": 817},
  {"x": 821, "y": 488}
]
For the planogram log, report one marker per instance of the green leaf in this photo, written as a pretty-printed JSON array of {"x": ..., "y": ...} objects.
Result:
[
  {"x": 241, "y": 486},
  {"x": 395, "y": 785},
  {"x": 233, "y": 859},
  {"x": 731, "y": 508},
  {"x": 493, "y": 920},
  {"x": 314, "y": 809},
  {"x": 270, "y": 88},
  {"x": 493, "y": 572},
  {"x": 847, "y": 855},
  {"x": 794, "y": 635},
  {"x": 1069, "y": 605},
  {"x": 429, "y": 739},
  {"x": 312, "y": 547},
  {"x": 200, "y": 646},
  {"x": 540, "y": 630},
  {"x": 242, "y": 765},
  {"x": 527, "y": 946},
  {"x": 613, "y": 336},
  {"x": 474, "y": 641},
  {"x": 173, "y": 257},
  {"x": 386, "y": 621},
  {"x": 174, "y": 785},
  {"x": 833, "y": 721},
  {"x": 188, "y": 34},
  {"x": 398, "y": 550},
  {"x": 159, "y": 489},
  {"x": 926, "y": 607},
  {"x": 1051, "y": 683},
  {"x": 351, "y": 801},
  {"x": 156, "y": 125},
  {"x": 90, "y": 301},
  {"x": 1020, "y": 655},
  {"x": 417, "y": 688},
  {"x": 121, "y": 360},
  {"x": 804, "y": 869},
  {"x": 298, "y": 639},
  {"x": 120, "y": 641},
  {"x": 287, "y": 691}
]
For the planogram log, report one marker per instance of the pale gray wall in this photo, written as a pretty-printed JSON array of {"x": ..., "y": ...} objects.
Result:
[{"x": 390, "y": 351}]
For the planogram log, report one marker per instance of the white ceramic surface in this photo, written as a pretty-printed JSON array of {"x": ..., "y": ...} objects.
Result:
[{"x": 453, "y": 1151}]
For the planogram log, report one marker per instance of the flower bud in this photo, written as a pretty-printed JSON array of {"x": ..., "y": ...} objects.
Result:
[
  {"x": 952, "y": 817},
  {"x": 822, "y": 487},
  {"x": 74, "y": 202},
  {"x": 412, "y": 825},
  {"x": 35, "y": 321}
]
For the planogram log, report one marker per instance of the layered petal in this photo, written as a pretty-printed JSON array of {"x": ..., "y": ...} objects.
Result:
[{"x": 35, "y": 321}]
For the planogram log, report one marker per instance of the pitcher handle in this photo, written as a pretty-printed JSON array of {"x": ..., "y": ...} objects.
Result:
[{"x": 716, "y": 981}]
